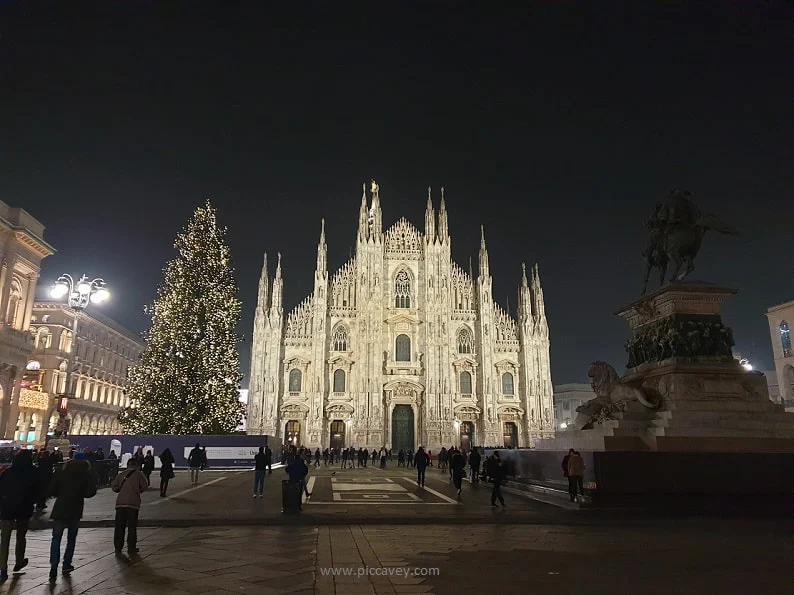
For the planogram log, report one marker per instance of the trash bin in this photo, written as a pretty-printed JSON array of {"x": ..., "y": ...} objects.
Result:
[{"x": 290, "y": 496}]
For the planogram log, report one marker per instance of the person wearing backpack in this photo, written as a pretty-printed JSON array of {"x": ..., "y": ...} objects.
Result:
[
  {"x": 129, "y": 485},
  {"x": 70, "y": 487},
  {"x": 19, "y": 490}
]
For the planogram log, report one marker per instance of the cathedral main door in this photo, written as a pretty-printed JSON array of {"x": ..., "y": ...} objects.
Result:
[{"x": 402, "y": 428}]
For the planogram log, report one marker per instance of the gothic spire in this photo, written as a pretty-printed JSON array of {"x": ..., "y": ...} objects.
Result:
[
  {"x": 276, "y": 303},
  {"x": 539, "y": 303},
  {"x": 523, "y": 274},
  {"x": 430, "y": 220},
  {"x": 375, "y": 214},
  {"x": 443, "y": 226},
  {"x": 262, "y": 294},
  {"x": 484, "y": 266},
  {"x": 322, "y": 249},
  {"x": 363, "y": 215}
]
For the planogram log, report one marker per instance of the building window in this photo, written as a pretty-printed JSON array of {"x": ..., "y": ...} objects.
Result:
[
  {"x": 465, "y": 383},
  {"x": 402, "y": 290},
  {"x": 339, "y": 381},
  {"x": 785, "y": 339},
  {"x": 402, "y": 348},
  {"x": 465, "y": 341},
  {"x": 295, "y": 378},
  {"x": 507, "y": 384},
  {"x": 339, "y": 338}
]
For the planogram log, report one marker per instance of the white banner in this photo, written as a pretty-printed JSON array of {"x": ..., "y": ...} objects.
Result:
[{"x": 227, "y": 453}]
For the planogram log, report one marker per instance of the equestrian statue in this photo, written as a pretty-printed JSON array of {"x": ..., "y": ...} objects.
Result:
[{"x": 677, "y": 227}]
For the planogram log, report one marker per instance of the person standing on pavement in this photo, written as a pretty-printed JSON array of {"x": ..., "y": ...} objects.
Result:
[
  {"x": 317, "y": 457},
  {"x": 195, "y": 461},
  {"x": 576, "y": 475},
  {"x": 148, "y": 466},
  {"x": 565, "y": 474},
  {"x": 496, "y": 473},
  {"x": 166, "y": 470},
  {"x": 421, "y": 461},
  {"x": 46, "y": 464},
  {"x": 474, "y": 465},
  {"x": 70, "y": 487},
  {"x": 383, "y": 454},
  {"x": 260, "y": 469},
  {"x": 129, "y": 485},
  {"x": 458, "y": 465},
  {"x": 297, "y": 471},
  {"x": 269, "y": 459},
  {"x": 19, "y": 489}
]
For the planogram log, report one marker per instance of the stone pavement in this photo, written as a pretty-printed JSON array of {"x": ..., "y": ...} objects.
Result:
[
  {"x": 340, "y": 496},
  {"x": 689, "y": 557}
]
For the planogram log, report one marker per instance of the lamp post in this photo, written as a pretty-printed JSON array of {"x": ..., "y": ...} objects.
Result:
[{"x": 78, "y": 295}]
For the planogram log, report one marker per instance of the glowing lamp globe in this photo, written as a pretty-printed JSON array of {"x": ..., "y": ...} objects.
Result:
[
  {"x": 100, "y": 295},
  {"x": 84, "y": 287},
  {"x": 59, "y": 290}
]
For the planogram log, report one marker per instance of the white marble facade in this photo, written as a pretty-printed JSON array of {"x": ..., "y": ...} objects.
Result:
[{"x": 400, "y": 347}]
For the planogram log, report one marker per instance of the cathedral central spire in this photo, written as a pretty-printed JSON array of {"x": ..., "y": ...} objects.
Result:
[
  {"x": 484, "y": 265},
  {"x": 322, "y": 249},
  {"x": 443, "y": 226},
  {"x": 375, "y": 214}
]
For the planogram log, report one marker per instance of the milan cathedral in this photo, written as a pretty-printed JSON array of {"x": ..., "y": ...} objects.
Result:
[{"x": 401, "y": 347}]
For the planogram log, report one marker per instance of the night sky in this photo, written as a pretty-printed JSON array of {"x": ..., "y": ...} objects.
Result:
[{"x": 557, "y": 127}]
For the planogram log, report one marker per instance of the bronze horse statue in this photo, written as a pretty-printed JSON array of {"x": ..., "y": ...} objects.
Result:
[{"x": 677, "y": 230}]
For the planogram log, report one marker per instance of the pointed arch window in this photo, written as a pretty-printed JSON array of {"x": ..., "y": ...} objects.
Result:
[
  {"x": 339, "y": 381},
  {"x": 402, "y": 290},
  {"x": 402, "y": 348},
  {"x": 507, "y": 384},
  {"x": 295, "y": 380},
  {"x": 465, "y": 383},
  {"x": 465, "y": 341},
  {"x": 339, "y": 338},
  {"x": 785, "y": 339}
]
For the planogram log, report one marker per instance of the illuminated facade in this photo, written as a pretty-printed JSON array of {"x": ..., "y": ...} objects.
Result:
[{"x": 401, "y": 347}]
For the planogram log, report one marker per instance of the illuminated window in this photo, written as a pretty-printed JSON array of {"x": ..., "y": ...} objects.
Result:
[
  {"x": 465, "y": 383},
  {"x": 402, "y": 348},
  {"x": 785, "y": 338},
  {"x": 339, "y": 381},
  {"x": 507, "y": 384},
  {"x": 402, "y": 290},
  {"x": 295, "y": 378}
]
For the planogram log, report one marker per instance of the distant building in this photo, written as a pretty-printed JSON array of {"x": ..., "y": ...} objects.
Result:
[
  {"x": 567, "y": 397},
  {"x": 104, "y": 350},
  {"x": 22, "y": 248},
  {"x": 781, "y": 320}
]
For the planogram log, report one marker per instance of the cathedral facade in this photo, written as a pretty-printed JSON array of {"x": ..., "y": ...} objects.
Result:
[{"x": 400, "y": 347}]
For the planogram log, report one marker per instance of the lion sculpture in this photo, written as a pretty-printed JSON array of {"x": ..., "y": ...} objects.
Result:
[{"x": 612, "y": 395}]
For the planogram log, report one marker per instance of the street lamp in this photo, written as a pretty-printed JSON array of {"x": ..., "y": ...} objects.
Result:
[{"x": 78, "y": 294}]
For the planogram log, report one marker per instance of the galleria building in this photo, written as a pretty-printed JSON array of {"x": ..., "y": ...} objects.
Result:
[{"x": 400, "y": 347}]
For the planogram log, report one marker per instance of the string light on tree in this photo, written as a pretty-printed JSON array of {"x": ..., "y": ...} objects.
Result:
[{"x": 188, "y": 376}]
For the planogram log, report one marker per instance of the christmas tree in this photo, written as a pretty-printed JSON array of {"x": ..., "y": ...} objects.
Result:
[{"x": 187, "y": 379}]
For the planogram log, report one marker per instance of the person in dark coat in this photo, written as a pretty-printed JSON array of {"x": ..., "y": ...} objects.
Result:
[
  {"x": 421, "y": 461},
  {"x": 70, "y": 486},
  {"x": 195, "y": 461},
  {"x": 269, "y": 459},
  {"x": 297, "y": 472},
  {"x": 166, "y": 470},
  {"x": 474, "y": 465},
  {"x": 19, "y": 489},
  {"x": 496, "y": 472},
  {"x": 260, "y": 469},
  {"x": 46, "y": 464},
  {"x": 457, "y": 462},
  {"x": 148, "y": 466}
]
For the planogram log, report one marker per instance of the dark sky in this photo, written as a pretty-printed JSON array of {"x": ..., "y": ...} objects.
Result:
[{"x": 558, "y": 126}]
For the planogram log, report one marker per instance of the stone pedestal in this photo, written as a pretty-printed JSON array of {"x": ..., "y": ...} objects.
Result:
[{"x": 680, "y": 350}]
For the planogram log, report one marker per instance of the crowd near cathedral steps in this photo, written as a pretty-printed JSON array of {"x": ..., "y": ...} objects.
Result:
[{"x": 400, "y": 347}]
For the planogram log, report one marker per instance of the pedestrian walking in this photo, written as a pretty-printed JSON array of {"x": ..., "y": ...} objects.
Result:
[
  {"x": 70, "y": 487},
  {"x": 496, "y": 473},
  {"x": 576, "y": 476},
  {"x": 421, "y": 462},
  {"x": 269, "y": 459},
  {"x": 297, "y": 471},
  {"x": 383, "y": 454},
  {"x": 317, "y": 457},
  {"x": 129, "y": 485},
  {"x": 19, "y": 489},
  {"x": 325, "y": 457},
  {"x": 442, "y": 459},
  {"x": 195, "y": 461},
  {"x": 148, "y": 466},
  {"x": 458, "y": 465},
  {"x": 474, "y": 465},
  {"x": 565, "y": 474},
  {"x": 260, "y": 470},
  {"x": 166, "y": 470}
]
